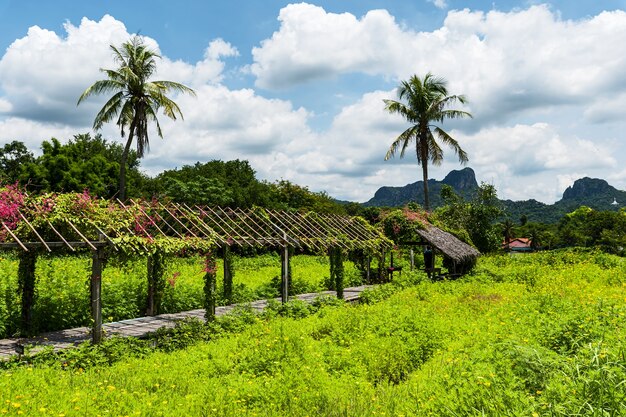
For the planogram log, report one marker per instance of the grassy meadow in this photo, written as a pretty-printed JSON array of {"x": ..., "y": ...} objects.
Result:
[
  {"x": 530, "y": 335},
  {"x": 62, "y": 287}
]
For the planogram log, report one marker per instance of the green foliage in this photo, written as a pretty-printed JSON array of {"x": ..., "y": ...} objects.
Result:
[
  {"x": 473, "y": 221},
  {"x": 588, "y": 227},
  {"x": 83, "y": 163},
  {"x": 489, "y": 344},
  {"x": 286, "y": 195},
  {"x": 400, "y": 225},
  {"x": 14, "y": 156}
]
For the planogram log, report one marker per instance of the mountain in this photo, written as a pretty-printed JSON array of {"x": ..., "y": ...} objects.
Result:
[
  {"x": 592, "y": 192},
  {"x": 462, "y": 181}
]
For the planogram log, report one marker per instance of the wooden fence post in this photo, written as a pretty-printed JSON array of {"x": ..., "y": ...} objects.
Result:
[{"x": 96, "y": 299}]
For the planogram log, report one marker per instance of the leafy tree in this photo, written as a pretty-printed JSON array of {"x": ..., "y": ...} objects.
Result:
[
  {"x": 82, "y": 163},
  {"x": 287, "y": 195},
  {"x": 13, "y": 157},
  {"x": 473, "y": 221},
  {"x": 136, "y": 100},
  {"x": 230, "y": 183},
  {"x": 427, "y": 101}
]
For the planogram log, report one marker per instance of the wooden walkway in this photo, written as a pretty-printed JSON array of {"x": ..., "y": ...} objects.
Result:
[{"x": 143, "y": 325}]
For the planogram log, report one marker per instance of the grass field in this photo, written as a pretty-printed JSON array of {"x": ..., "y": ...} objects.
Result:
[
  {"x": 534, "y": 335},
  {"x": 63, "y": 293}
]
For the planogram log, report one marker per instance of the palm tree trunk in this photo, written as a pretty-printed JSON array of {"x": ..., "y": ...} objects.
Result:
[
  {"x": 425, "y": 175},
  {"x": 424, "y": 158},
  {"x": 122, "y": 195}
]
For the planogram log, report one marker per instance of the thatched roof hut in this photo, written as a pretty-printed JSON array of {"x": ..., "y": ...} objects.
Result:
[{"x": 459, "y": 253}]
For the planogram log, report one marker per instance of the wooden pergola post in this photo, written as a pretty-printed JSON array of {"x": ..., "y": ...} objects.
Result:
[
  {"x": 96, "y": 291},
  {"x": 284, "y": 272},
  {"x": 210, "y": 299},
  {"x": 228, "y": 278},
  {"x": 368, "y": 267},
  {"x": 26, "y": 282}
]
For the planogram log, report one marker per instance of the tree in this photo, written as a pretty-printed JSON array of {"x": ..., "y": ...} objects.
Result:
[
  {"x": 473, "y": 221},
  {"x": 13, "y": 157},
  {"x": 427, "y": 101},
  {"x": 81, "y": 163},
  {"x": 507, "y": 231},
  {"x": 136, "y": 100}
]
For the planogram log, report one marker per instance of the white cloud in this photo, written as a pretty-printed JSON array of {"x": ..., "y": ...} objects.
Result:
[
  {"x": 43, "y": 74},
  {"x": 32, "y": 133},
  {"x": 440, "y": 4},
  {"x": 505, "y": 62}
]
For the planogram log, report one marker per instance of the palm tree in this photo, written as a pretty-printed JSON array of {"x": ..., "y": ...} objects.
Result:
[
  {"x": 427, "y": 101},
  {"x": 136, "y": 100},
  {"x": 507, "y": 231}
]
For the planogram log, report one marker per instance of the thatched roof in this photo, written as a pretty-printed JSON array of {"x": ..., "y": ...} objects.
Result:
[{"x": 448, "y": 244}]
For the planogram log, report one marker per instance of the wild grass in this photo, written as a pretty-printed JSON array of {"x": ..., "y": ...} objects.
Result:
[
  {"x": 62, "y": 288},
  {"x": 539, "y": 335}
]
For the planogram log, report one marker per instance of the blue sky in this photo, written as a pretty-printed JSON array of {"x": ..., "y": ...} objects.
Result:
[{"x": 297, "y": 88}]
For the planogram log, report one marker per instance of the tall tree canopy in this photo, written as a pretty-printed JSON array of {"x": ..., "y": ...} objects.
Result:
[
  {"x": 423, "y": 102},
  {"x": 136, "y": 100}
]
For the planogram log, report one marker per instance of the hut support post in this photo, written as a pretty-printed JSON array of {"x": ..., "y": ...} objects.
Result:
[
  {"x": 26, "y": 282},
  {"x": 96, "y": 291},
  {"x": 412, "y": 259},
  {"x": 228, "y": 277},
  {"x": 284, "y": 273}
]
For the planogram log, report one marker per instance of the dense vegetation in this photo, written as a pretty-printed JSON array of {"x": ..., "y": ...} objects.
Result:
[
  {"x": 92, "y": 163},
  {"x": 532, "y": 335},
  {"x": 62, "y": 289}
]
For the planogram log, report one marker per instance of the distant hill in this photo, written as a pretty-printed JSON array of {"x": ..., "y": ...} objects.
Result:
[
  {"x": 463, "y": 181},
  {"x": 592, "y": 192}
]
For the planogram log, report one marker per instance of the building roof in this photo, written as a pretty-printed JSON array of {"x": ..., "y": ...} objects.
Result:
[
  {"x": 448, "y": 244},
  {"x": 519, "y": 242}
]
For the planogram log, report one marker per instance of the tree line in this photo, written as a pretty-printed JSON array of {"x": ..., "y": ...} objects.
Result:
[{"x": 92, "y": 163}]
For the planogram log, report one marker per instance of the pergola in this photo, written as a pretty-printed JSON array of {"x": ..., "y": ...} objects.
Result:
[{"x": 146, "y": 227}]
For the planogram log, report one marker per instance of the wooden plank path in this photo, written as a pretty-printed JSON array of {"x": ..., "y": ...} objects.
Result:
[{"x": 141, "y": 326}]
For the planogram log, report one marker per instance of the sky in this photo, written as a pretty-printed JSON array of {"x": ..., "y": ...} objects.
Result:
[{"x": 297, "y": 89}]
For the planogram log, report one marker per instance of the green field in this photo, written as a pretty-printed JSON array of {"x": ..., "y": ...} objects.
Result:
[
  {"x": 62, "y": 299},
  {"x": 532, "y": 335}
]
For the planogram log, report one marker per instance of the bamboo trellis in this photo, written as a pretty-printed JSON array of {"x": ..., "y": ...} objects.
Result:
[{"x": 221, "y": 227}]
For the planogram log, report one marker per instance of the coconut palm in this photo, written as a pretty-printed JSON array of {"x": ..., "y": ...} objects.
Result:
[
  {"x": 136, "y": 100},
  {"x": 427, "y": 101}
]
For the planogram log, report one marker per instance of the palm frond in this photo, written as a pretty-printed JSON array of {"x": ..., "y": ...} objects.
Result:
[
  {"x": 451, "y": 142},
  {"x": 401, "y": 142}
]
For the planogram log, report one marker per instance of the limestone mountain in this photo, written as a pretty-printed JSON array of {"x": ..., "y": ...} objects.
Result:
[
  {"x": 592, "y": 192},
  {"x": 462, "y": 181}
]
